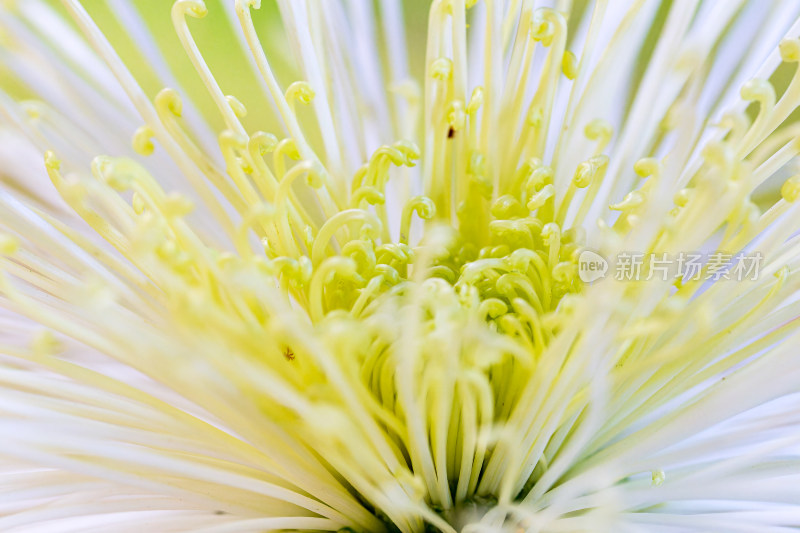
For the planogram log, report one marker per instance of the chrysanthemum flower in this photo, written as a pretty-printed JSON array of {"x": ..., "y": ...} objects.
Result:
[{"x": 364, "y": 308}]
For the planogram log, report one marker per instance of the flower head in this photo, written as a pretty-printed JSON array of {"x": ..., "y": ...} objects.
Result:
[{"x": 384, "y": 310}]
